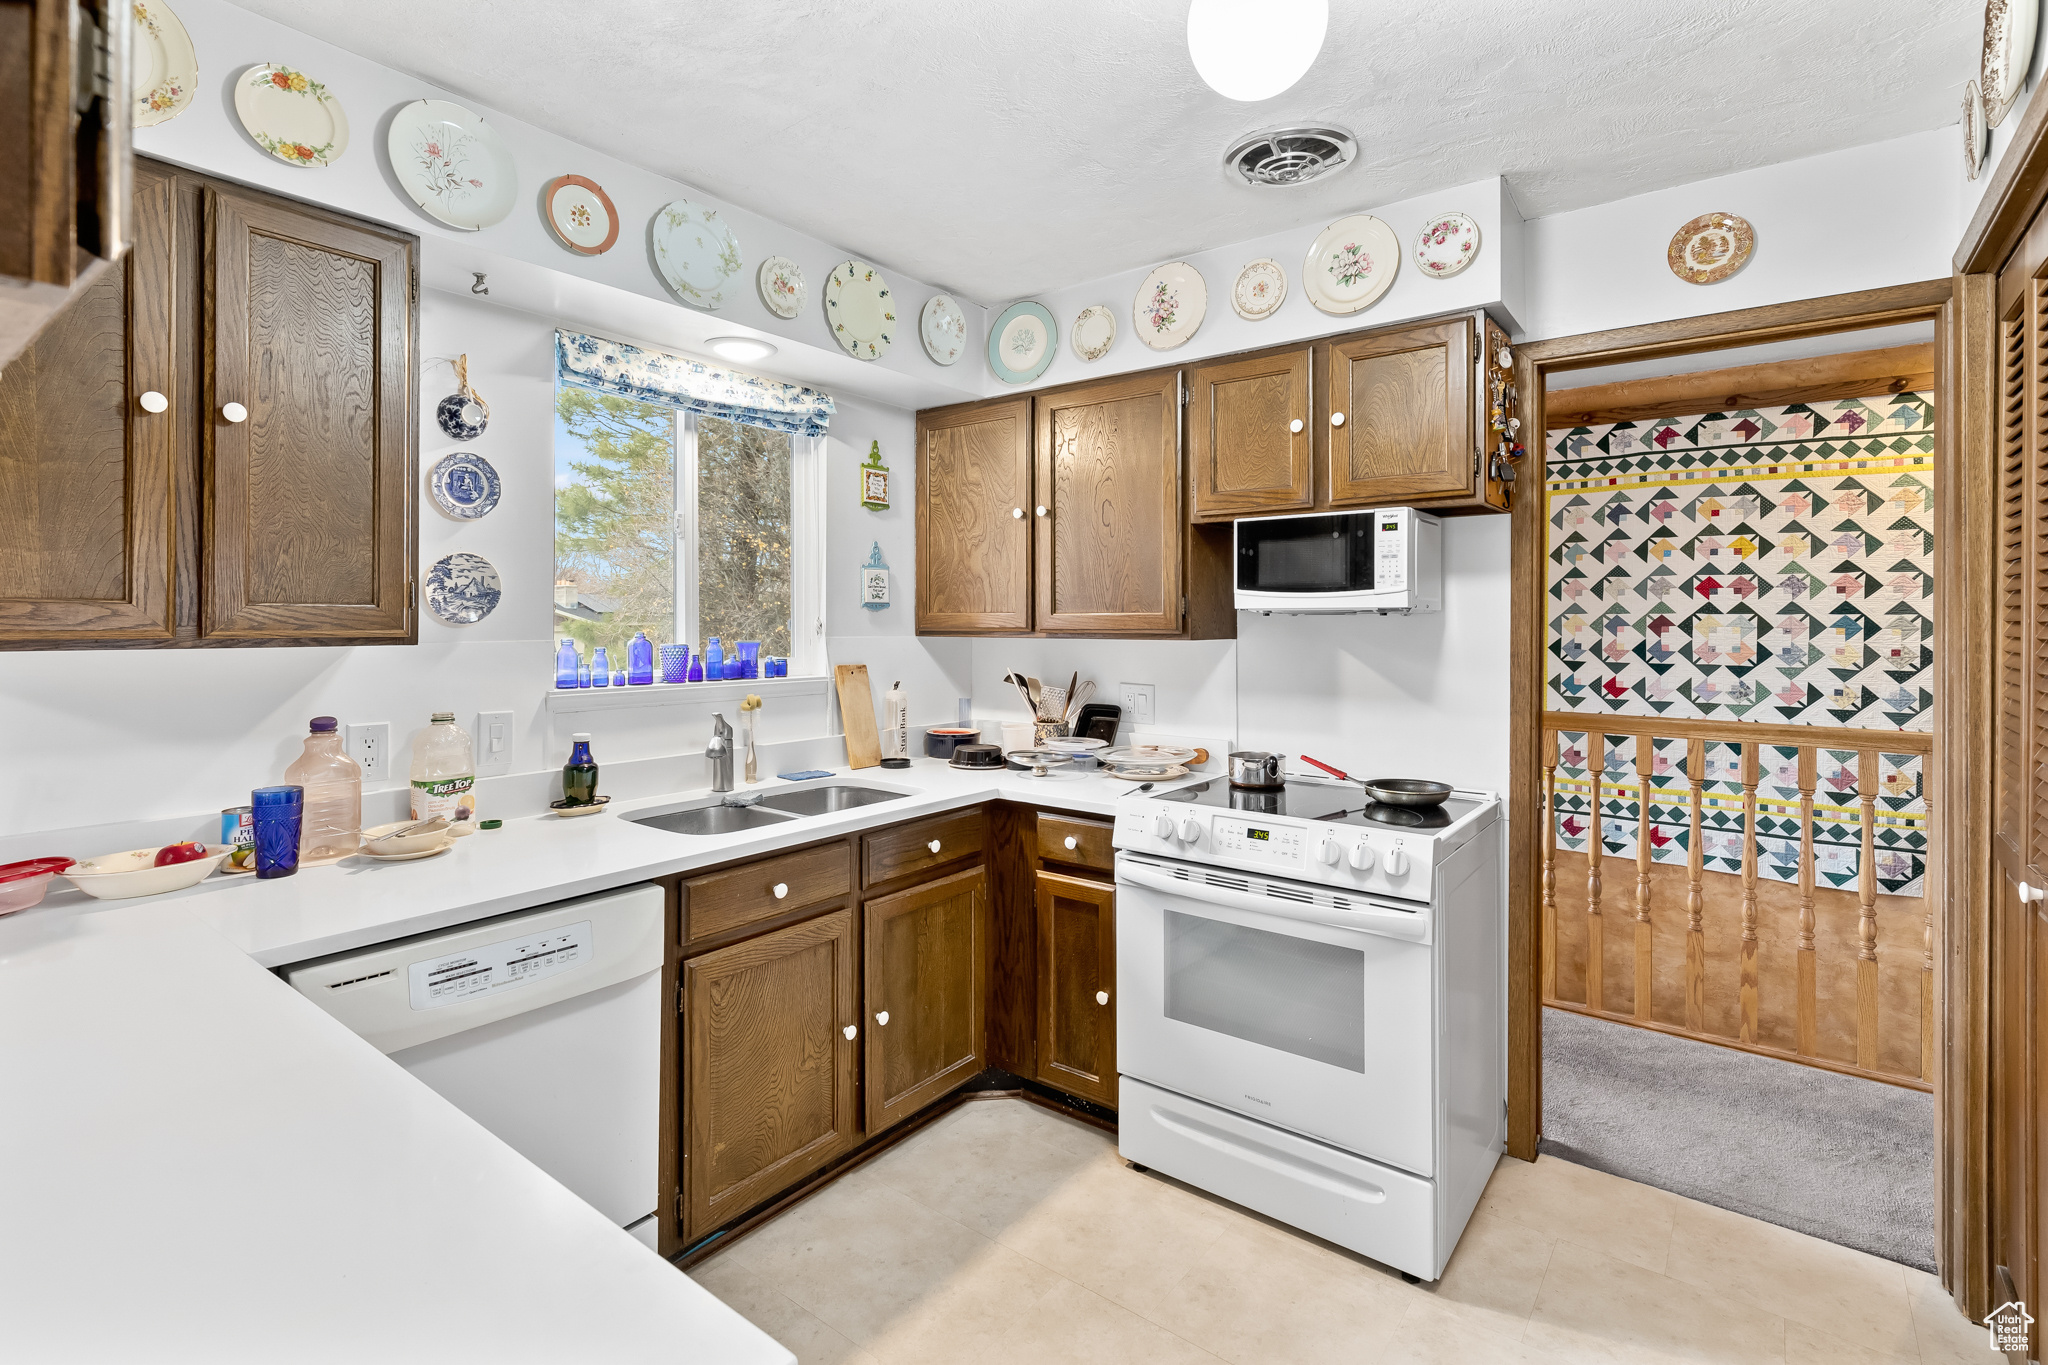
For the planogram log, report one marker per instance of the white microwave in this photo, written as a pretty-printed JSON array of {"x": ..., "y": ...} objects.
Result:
[{"x": 1387, "y": 559}]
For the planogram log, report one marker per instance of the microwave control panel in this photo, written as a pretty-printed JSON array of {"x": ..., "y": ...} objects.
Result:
[{"x": 1275, "y": 844}]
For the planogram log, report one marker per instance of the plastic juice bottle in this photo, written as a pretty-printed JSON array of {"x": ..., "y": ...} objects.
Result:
[
  {"x": 579, "y": 774},
  {"x": 331, "y": 825},
  {"x": 443, "y": 771}
]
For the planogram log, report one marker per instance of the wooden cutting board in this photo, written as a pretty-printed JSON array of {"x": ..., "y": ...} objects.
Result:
[{"x": 857, "y": 713}]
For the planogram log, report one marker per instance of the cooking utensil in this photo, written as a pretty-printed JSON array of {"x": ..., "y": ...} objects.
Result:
[
  {"x": 1036, "y": 692},
  {"x": 1257, "y": 769},
  {"x": 1079, "y": 699},
  {"x": 1040, "y": 761},
  {"x": 1067, "y": 697},
  {"x": 1052, "y": 704},
  {"x": 857, "y": 715},
  {"x": 1407, "y": 791},
  {"x": 1022, "y": 690},
  {"x": 1337, "y": 773}
]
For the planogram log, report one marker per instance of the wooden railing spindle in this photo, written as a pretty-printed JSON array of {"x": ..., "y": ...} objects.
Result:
[
  {"x": 1550, "y": 865},
  {"x": 1747, "y": 997},
  {"x": 1866, "y": 882},
  {"x": 1695, "y": 896},
  {"x": 1646, "y": 750},
  {"x": 1807, "y": 1038},
  {"x": 1596, "y": 982}
]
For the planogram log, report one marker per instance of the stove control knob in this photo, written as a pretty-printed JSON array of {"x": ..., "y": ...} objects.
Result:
[
  {"x": 1190, "y": 831},
  {"x": 1397, "y": 861},
  {"x": 1329, "y": 852},
  {"x": 1162, "y": 825},
  {"x": 1361, "y": 856}
]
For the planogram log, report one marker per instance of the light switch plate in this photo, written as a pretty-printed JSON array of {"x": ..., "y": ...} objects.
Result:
[
  {"x": 369, "y": 743},
  {"x": 1140, "y": 702},
  {"x": 493, "y": 736}
]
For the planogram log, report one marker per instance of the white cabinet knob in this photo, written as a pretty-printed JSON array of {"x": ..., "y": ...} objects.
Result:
[
  {"x": 781, "y": 890},
  {"x": 152, "y": 401},
  {"x": 1336, "y": 419},
  {"x": 1017, "y": 512},
  {"x": 1361, "y": 856},
  {"x": 1295, "y": 426},
  {"x": 1329, "y": 852},
  {"x": 882, "y": 1018},
  {"x": 850, "y": 1031},
  {"x": 1102, "y": 997},
  {"x": 1041, "y": 509},
  {"x": 1397, "y": 861},
  {"x": 234, "y": 412},
  {"x": 1072, "y": 842},
  {"x": 2030, "y": 894},
  {"x": 933, "y": 845}
]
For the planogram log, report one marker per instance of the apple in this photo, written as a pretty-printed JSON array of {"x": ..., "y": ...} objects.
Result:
[{"x": 180, "y": 853}]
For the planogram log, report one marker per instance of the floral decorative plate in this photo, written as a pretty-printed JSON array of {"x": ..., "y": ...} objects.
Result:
[
  {"x": 291, "y": 115},
  {"x": 1710, "y": 248},
  {"x": 1976, "y": 133},
  {"x": 1351, "y": 263},
  {"x": 943, "y": 328},
  {"x": 2008, "y": 51},
  {"x": 581, "y": 214},
  {"x": 1021, "y": 342},
  {"x": 1260, "y": 290},
  {"x": 464, "y": 485},
  {"x": 860, "y": 310},
  {"x": 697, "y": 253},
  {"x": 462, "y": 589},
  {"x": 1093, "y": 332},
  {"x": 452, "y": 164},
  {"x": 1170, "y": 305},
  {"x": 781, "y": 282},
  {"x": 1447, "y": 244},
  {"x": 162, "y": 64}
]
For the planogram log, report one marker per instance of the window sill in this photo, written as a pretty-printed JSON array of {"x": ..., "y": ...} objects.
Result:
[{"x": 568, "y": 701}]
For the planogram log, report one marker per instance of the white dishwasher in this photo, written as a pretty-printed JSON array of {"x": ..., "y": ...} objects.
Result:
[{"x": 544, "y": 1027}]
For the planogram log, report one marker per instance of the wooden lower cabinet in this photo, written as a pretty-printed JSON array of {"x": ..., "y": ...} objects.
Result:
[
  {"x": 1076, "y": 922},
  {"x": 926, "y": 991},
  {"x": 768, "y": 1068}
]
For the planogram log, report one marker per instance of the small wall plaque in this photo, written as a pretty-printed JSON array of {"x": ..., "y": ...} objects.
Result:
[
  {"x": 874, "y": 581},
  {"x": 874, "y": 480}
]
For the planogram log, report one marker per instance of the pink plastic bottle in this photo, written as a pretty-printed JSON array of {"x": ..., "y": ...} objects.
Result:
[{"x": 332, "y": 826}]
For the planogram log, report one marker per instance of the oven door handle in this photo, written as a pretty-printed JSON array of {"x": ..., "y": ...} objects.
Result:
[{"x": 1401, "y": 924}]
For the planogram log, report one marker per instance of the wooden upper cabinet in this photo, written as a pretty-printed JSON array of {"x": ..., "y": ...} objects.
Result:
[
  {"x": 1077, "y": 986},
  {"x": 309, "y": 496},
  {"x": 1397, "y": 415},
  {"x": 1108, "y": 512},
  {"x": 973, "y": 518},
  {"x": 926, "y": 988},
  {"x": 87, "y": 533},
  {"x": 1250, "y": 443}
]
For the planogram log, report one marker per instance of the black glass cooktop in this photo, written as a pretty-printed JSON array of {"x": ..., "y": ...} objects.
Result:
[{"x": 1329, "y": 802}]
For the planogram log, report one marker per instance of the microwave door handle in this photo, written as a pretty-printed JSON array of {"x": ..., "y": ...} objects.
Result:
[{"x": 1401, "y": 924}]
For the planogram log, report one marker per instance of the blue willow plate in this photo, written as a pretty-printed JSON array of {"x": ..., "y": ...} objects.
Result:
[
  {"x": 463, "y": 589},
  {"x": 461, "y": 416},
  {"x": 464, "y": 485}
]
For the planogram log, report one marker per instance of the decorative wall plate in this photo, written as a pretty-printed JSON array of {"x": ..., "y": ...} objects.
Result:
[
  {"x": 1710, "y": 248},
  {"x": 860, "y": 310},
  {"x": 781, "y": 282},
  {"x": 1350, "y": 264},
  {"x": 1260, "y": 289},
  {"x": 291, "y": 115},
  {"x": 943, "y": 329},
  {"x": 462, "y": 589},
  {"x": 1170, "y": 305},
  {"x": 1021, "y": 342},
  {"x": 1447, "y": 244},
  {"x": 163, "y": 67},
  {"x": 452, "y": 164},
  {"x": 581, "y": 214},
  {"x": 1976, "y": 133},
  {"x": 464, "y": 485},
  {"x": 2008, "y": 52},
  {"x": 1094, "y": 331},
  {"x": 697, "y": 253}
]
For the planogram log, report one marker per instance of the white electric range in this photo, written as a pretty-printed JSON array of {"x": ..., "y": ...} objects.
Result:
[{"x": 1311, "y": 1019}]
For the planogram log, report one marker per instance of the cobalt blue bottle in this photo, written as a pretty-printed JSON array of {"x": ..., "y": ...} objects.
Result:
[
  {"x": 639, "y": 659},
  {"x": 566, "y": 661},
  {"x": 714, "y": 661},
  {"x": 600, "y": 669}
]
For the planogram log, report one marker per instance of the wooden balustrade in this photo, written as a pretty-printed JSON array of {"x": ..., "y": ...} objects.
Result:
[{"x": 1765, "y": 963}]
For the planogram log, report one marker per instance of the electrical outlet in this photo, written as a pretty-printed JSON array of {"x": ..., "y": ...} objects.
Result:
[
  {"x": 370, "y": 745},
  {"x": 1139, "y": 701},
  {"x": 493, "y": 743}
]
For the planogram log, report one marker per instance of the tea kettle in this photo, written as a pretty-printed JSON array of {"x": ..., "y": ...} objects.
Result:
[{"x": 1255, "y": 768}]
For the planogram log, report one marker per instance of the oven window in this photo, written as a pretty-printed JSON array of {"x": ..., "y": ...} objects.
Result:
[
  {"x": 1275, "y": 990},
  {"x": 1305, "y": 554}
]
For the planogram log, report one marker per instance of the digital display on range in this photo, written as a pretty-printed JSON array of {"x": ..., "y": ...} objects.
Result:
[{"x": 1257, "y": 834}]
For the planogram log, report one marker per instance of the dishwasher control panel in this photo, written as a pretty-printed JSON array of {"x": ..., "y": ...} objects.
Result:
[{"x": 492, "y": 967}]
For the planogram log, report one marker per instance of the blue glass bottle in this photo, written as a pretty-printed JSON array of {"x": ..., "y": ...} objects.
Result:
[
  {"x": 696, "y": 673},
  {"x": 600, "y": 669},
  {"x": 583, "y": 675},
  {"x": 639, "y": 659},
  {"x": 714, "y": 661},
  {"x": 618, "y": 677},
  {"x": 566, "y": 661}
]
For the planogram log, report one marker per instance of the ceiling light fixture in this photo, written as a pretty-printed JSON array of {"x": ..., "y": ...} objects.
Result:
[
  {"x": 1250, "y": 50},
  {"x": 743, "y": 349}
]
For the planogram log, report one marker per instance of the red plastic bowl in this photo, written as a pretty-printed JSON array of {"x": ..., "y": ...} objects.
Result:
[{"x": 22, "y": 884}]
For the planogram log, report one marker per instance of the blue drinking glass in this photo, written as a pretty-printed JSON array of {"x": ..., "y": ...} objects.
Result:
[
  {"x": 279, "y": 812},
  {"x": 750, "y": 658},
  {"x": 675, "y": 663}
]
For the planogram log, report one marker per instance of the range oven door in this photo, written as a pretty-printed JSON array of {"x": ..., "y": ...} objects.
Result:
[{"x": 1308, "y": 1019}]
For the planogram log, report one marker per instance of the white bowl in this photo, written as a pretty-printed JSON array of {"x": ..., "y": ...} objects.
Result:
[
  {"x": 118, "y": 876},
  {"x": 377, "y": 840}
]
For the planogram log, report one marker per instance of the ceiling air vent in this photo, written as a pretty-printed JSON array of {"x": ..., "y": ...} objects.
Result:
[{"x": 1290, "y": 156}]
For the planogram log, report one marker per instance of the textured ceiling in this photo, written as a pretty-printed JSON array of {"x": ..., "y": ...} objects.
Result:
[{"x": 1003, "y": 149}]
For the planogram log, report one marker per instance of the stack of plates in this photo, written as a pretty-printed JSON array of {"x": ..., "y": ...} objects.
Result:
[{"x": 1146, "y": 762}]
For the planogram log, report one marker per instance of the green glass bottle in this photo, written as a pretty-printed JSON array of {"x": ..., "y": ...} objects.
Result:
[{"x": 579, "y": 774}]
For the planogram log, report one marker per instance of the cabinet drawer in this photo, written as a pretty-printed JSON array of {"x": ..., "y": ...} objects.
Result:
[
  {"x": 1084, "y": 843},
  {"x": 920, "y": 845},
  {"x": 723, "y": 901}
]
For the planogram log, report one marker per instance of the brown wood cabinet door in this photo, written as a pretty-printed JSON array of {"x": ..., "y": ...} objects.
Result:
[
  {"x": 973, "y": 518},
  {"x": 309, "y": 497},
  {"x": 768, "y": 1071},
  {"x": 926, "y": 987},
  {"x": 1077, "y": 986},
  {"x": 86, "y": 510},
  {"x": 1109, "y": 507},
  {"x": 1404, "y": 398},
  {"x": 1250, "y": 443}
]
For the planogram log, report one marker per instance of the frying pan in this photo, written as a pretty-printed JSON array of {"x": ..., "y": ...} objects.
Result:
[{"x": 1393, "y": 791}]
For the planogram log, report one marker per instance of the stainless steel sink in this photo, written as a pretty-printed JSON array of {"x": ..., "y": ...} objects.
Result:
[
  {"x": 712, "y": 819},
  {"x": 825, "y": 799}
]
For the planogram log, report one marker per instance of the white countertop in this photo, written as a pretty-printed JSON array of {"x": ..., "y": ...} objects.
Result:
[{"x": 198, "y": 1163}]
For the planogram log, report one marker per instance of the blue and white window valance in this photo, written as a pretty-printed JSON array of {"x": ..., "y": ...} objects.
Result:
[{"x": 692, "y": 385}]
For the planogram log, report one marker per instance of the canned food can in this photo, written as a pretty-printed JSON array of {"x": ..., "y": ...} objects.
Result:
[{"x": 238, "y": 832}]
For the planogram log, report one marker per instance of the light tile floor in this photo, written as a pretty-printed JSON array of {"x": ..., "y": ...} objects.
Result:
[{"x": 1005, "y": 1232}]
